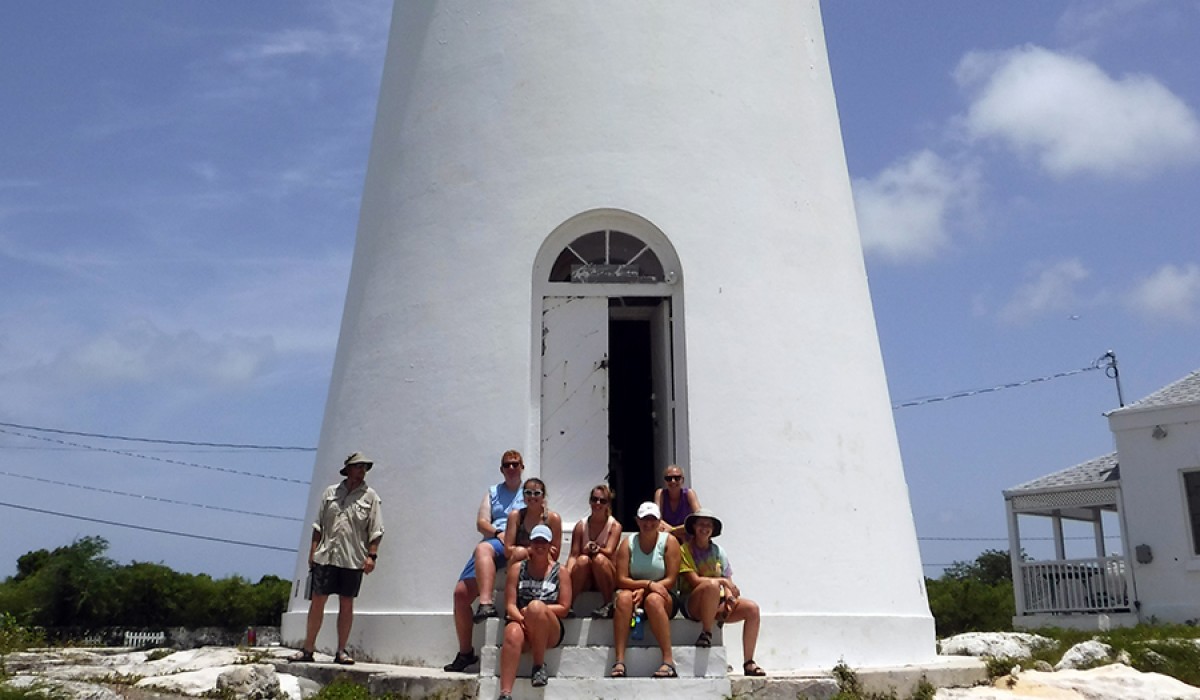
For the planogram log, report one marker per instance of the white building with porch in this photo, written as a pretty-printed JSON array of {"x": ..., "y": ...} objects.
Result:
[{"x": 1149, "y": 492}]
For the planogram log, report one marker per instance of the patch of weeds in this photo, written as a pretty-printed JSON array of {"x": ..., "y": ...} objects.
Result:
[
  {"x": 998, "y": 666},
  {"x": 924, "y": 690},
  {"x": 18, "y": 637},
  {"x": 36, "y": 691},
  {"x": 157, "y": 654},
  {"x": 118, "y": 679},
  {"x": 220, "y": 694},
  {"x": 256, "y": 656},
  {"x": 342, "y": 689}
]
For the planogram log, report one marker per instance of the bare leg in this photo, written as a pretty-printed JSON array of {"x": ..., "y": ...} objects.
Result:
[
  {"x": 465, "y": 593},
  {"x": 581, "y": 574},
  {"x": 541, "y": 626},
  {"x": 605, "y": 574},
  {"x": 747, "y": 611},
  {"x": 704, "y": 602},
  {"x": 657, "y": 608},
  {"x": 316, "y": 614},
  {"x": 344, "y": 621},
  {"x": 510, "y": 655},
  {"x": 622, "y": 614},
  {"x": 485, "y": 572}
]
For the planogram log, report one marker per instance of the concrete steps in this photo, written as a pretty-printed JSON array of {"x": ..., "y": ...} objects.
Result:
[{"x": 612, "y": 689}]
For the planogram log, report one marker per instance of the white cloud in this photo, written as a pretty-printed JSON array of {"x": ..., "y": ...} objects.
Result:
[
  {"x": 351, "y": 29},
  {"x": 1171, "y": 292},
  {"x": 1048, "y": 289},
  {"x": 1071, "y": 117},
  {"x": 140, "y": 353},
  {"x": 1089, "y": 20},
  {"x": 905, "y": 211}
]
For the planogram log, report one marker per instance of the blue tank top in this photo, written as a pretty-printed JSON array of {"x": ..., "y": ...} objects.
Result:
[
  {"x": 648, "y": 567},
  {"x": 503, "y": 502}
]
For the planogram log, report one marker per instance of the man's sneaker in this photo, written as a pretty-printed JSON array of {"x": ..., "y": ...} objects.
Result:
[
  {"x": 538, "y": 678},
  {"x": 461, "y": 662},
  {"x": 483, "y": 612}
]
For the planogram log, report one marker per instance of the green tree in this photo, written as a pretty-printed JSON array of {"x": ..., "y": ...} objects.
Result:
[{"x": 973, "y": 596}]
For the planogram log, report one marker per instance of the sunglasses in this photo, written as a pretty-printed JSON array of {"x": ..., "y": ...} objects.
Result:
[
  {"x": 673, "y": 477},
  {"x": 531, "y": 493},
  {"x": 598, "y": 500},
  {"x": 510, "y": 465}
]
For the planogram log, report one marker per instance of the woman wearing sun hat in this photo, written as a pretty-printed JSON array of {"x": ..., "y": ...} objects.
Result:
[{"x": 707, "y": 591}]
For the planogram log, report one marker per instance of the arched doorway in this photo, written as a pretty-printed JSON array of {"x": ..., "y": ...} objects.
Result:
[{"x": 609, "y": 359}]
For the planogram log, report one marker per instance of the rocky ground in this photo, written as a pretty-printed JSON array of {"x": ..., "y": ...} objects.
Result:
[{"x": 110, "y": 674}]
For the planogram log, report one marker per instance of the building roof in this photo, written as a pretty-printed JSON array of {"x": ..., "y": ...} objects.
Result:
[
  {"x": 1182, "y": 391},
  {"x": 1094, "y": 471}
]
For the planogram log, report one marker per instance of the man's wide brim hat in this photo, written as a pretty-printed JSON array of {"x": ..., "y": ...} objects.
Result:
[
  {"x": 690, "y": 523},
  {"x": 356, "y": 458}
]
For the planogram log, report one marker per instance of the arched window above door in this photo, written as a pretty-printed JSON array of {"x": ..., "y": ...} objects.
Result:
[{"x": 608, "y": 257}]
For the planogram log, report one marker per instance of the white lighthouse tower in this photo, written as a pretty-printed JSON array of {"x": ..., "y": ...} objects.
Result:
[{"x": 614, "y": 236}]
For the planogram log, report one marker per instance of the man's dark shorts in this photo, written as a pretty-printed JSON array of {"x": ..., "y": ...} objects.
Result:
[{"x": 334, "y": 580}]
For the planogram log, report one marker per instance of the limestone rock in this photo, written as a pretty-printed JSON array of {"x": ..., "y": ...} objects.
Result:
[
  {"x": 1001, "y": 645},
  {"x": 1085, "y": 655},
  {"x": 297, "y": 687},
  {"x": 253, "y": 681},
  {"x": 74, "y": 690}
]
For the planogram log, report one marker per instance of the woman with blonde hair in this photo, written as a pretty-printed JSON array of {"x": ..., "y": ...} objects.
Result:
[{"x": 593, "y": 543}]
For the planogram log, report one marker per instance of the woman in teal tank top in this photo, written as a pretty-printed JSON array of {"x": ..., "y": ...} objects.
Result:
[{"x": 647, "y": 566}]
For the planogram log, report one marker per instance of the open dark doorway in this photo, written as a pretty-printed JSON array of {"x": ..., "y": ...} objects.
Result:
[{"x": 632, "y": 470}]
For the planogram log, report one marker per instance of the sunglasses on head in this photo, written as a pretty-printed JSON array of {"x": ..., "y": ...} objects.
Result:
[
  {"x": 599, "y": 500},
  {"x": 673, "y": 477},
  {"x": 531, "y": 493}
]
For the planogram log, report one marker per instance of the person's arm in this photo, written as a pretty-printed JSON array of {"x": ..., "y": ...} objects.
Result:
[
  {"x": 483, "y": 520},
  {"x": 578, "y": 535},
  {"x": 614, "y": 538},
  {"x": 372, "y": 553},
  {"x": 510, "y": 593},
  {"x": 693, "y": 500},
  {"x": 316, "y": 540},
  {"x": 671, "y": 562},
  {"x": 660, "y": 500},
  {"x": 564, "y": 596},
  {"x": 510, "y": 533},
  {"x": 555, "y": 521}
]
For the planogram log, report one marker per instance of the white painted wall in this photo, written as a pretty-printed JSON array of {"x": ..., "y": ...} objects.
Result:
[
  {"x": 1156, "y": 508},
  {"x": 715, "y": 121}
]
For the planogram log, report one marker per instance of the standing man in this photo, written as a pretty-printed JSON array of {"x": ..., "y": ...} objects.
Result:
[
  {"x": 478, "y": 578},
  {"x": 345, "y": 545}
]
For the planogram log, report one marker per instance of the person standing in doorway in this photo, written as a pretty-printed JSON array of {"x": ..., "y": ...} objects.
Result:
[
  {"x": 345, "y": 546},
  {"x": 478, "y": 578}
]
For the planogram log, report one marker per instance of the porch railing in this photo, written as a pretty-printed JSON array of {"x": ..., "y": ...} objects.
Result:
[{"x": 1075, "y": 585}]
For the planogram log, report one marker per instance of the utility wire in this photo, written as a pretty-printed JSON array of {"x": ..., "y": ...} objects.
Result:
[
  {"x": 999, "y": 387},
  {"x": 150, "y": 529},
  {"x": 188, "y": 443},
  {"x": 148, "y": 498},
  {"x": 153, "y": 459}
]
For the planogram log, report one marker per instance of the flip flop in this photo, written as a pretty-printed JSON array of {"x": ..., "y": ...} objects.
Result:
[
  {"x": 704, "y": 641},
  {"x": 618, "y": 670},
  {"x": 666, "y": 671}
]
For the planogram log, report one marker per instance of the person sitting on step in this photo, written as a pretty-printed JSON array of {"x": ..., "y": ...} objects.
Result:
[
  {"x": 647, "y": 568},
  {"x": 675, "y": 502},
  {"x": 521, "y": 522},
  {"x": 593, "y": 546},
  {"x": 536, "y": 599},
  {"x": 707, "y": 592}
]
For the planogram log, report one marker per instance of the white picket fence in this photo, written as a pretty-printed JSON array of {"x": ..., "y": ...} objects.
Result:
[{"x": 138, "y": 640}]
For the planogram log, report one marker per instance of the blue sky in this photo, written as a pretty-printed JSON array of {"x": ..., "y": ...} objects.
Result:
[{"x": 179, "y": 189}]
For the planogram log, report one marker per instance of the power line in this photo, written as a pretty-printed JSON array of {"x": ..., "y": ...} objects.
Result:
[
  {"x": 150, "y": 529},
  {"x": 148, "y": 498},
  {"x": 188, "y": 443},
  {"x": 999, "y": 387},
  {"x": 153, "y": 459}
]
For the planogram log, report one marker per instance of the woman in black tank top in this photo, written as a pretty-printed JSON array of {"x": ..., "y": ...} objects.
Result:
[{"x": 536, "y": 598}]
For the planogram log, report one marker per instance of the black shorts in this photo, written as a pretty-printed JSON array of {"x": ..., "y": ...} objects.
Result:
[{"x": 334, "y": 580}]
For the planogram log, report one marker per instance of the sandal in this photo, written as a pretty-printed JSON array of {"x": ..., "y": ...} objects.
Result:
[
  {"x": 343, "y": 658},
  {"x": 304, "y": 657},
  {"x": 461, "y": 662},
  {"x": 483, "y": 612},
  {"x": 618, "y": 670},
  {"x": 752, "y": 669},
  {"x": 604, "y": 612},
  {"x": 666, "y": 671},
  {"x": 704, "y": 641}
]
